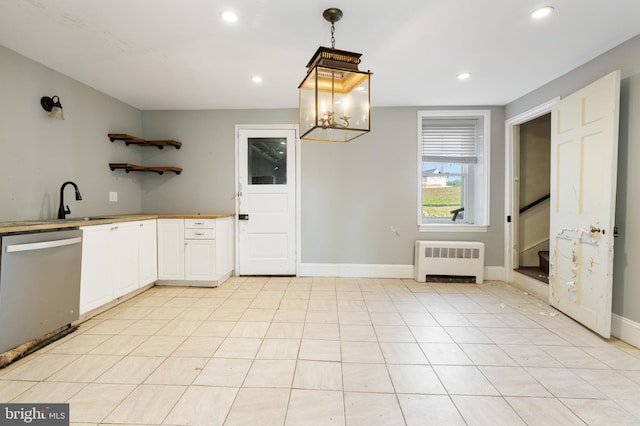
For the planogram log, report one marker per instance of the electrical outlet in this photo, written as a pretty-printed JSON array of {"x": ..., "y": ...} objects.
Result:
[{"x": 113, "y": 197}]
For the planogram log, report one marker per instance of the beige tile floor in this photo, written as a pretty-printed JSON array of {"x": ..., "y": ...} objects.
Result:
[{"x": 321, "y": 351}]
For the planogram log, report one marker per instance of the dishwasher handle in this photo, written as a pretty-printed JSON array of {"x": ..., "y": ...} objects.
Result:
[{"x": 42, "y": 245}]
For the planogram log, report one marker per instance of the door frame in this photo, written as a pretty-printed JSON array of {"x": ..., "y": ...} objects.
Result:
[
  {"x": 511, "y": 197},
  {"x": 297, "y": 184}
]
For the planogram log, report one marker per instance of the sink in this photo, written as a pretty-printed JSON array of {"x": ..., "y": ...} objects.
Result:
[{"x": 86, "y": 219}]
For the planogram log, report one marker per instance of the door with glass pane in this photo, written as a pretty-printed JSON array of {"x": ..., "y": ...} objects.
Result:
[{"x": 266, "y": 202}]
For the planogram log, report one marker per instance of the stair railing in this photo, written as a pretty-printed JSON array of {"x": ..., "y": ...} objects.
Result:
[{"x": 534, "y": 203}]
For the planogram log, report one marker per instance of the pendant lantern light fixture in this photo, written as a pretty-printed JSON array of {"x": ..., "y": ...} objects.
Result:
[{"x": 334, "y": 97}]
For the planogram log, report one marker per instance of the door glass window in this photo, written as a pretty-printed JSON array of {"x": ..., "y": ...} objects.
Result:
[{"x": 267, "y": 161}]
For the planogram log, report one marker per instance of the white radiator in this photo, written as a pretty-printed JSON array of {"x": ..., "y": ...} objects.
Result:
[{"x": 464, "y": 258}]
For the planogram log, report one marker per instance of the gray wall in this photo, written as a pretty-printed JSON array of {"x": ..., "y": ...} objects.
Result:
[
  {"x": 626, "y": 57},
  {"x": 207, "y": 183},
  {"x": 38, "y": 153},
  {"x": 352, "y": 194}
]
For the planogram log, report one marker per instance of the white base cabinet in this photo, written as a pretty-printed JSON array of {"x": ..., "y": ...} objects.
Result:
[
  {"x": 171, "y": 249},
  {"x": 116, "y": 260},
  {"x": 148, "y": 252},
  {"x": 119, "y": 258},
  {"x": 199, "y": 260},
  {"x": 195, "y": 252},
  {"x": 123, "y": 256},
  {"x": 96, "y": 288}
]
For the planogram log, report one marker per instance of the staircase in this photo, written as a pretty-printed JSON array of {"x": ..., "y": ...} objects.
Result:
[
  {"x": 540, "y": 272},
  {"x": 544, "y": 261},
  {"x": 528, "y": 252}
]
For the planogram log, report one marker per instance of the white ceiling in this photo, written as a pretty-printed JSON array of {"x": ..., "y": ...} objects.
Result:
[{"x": 180, "y": 54}]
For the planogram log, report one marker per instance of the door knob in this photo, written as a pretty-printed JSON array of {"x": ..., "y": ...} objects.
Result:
[{"x": 595, "y": 230}]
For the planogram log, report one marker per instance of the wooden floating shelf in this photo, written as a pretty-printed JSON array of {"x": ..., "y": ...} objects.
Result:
[
  {"x": 133, "y": 140},
  {"x": 128, "y": 167}
]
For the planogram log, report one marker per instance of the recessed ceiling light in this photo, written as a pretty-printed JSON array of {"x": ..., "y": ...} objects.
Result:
[
  {"x": 463, "y": 76},
  {"x": 542, "y": 12},
  {"x": 229, "y": 16},
  {"x": 256, "y": 79}
]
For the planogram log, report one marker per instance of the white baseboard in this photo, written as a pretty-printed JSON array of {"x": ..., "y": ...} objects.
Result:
[
  {"x": 530, "y": 285},
  {"x": 492, "y": 273},
  {"x": 626, "y": 330},
  {"x": 355, "y": 270}
]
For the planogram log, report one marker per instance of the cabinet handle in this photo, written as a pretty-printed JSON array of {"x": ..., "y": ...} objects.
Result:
[
  {"x": 199, "y": 233},
  {"x": 199, "y": 223}
]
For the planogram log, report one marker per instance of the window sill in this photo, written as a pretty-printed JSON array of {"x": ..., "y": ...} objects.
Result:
[{"x": 446, "y": 227}]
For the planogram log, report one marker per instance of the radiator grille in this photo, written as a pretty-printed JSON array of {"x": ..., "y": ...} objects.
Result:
[
  {"x": 455, "y": 258},
  {"x": 452, "y": 253}
]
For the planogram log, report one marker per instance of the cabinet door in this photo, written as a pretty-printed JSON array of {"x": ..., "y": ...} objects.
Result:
[
  {"x": 148, "y": 258},
  {"x": 124, "y": 243},
  {"x": 200, "y": 260},
  {"x": 171, "y": 249},
  {"x": 95, "y": 283}
]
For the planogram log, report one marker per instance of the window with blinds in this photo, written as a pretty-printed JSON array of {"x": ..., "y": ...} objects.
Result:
[
  {"x": 453, "y": 167},
  {"x": 449, "y": 141}
]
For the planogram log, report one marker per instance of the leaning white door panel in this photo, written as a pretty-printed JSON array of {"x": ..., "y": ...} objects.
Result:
[
  {"x": 584, "y": 146},
  {"x": 266, "y": 202}
]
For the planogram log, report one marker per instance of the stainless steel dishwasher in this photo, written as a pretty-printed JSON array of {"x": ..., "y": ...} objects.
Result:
[{"x": 39, "y": 284}]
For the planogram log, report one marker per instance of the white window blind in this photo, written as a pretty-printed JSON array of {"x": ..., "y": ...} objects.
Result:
[{"x": 449, "y": 141}]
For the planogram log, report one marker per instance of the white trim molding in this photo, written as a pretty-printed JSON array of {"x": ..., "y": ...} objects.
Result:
[
  {"x": 511, "y": 161},
  {"x": 479, "y": 200},
  {"x": 433, "y": 227},
  {"x": 530, "y": 285},
  {"x": 356, "y": 270},
  {"x": 626, "y": 330},
  {"x": 494, "y": 273}
]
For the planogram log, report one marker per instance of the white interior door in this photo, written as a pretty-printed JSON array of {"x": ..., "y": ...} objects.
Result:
[
  {"x": 584, "y": 146},
  {"x": 266, "y": 202}
]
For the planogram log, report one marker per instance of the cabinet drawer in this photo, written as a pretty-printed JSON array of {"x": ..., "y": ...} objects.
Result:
[
  {"x": 200, "y": 223},
  {"x": 199, "y": 234}
]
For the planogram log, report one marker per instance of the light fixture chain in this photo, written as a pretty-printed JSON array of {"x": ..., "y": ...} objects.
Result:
[{"x": 333, "y": 39}]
